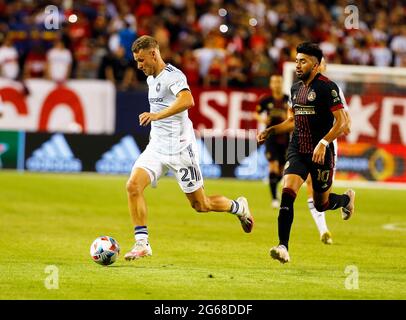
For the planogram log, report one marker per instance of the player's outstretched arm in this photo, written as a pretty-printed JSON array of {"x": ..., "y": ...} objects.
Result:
[
  {"x": 286, "y": 126},
  {"x": 184, "y": 100}
]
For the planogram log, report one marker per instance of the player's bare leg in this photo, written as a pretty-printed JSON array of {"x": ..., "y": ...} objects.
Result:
[
  {"x": 202, "y": 203},
  {"x": 136, "y": 185}
]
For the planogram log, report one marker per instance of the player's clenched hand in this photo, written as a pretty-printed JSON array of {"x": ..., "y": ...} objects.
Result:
[
  {"x": 147, "y": 117},
  {"x": 319, "y": 153},
  {"x": 261, "y": 138}
]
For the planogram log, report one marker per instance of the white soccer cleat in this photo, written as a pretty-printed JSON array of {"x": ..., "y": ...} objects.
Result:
[
  {"x": 326, "y": 238},
  {"x": 280, "y": 253},
  {"x": 246, "y": 218},
  {"x": 275, "y": 204},
  {"x": 348, "y": 211},
  {"x": 141, "y": 249}
]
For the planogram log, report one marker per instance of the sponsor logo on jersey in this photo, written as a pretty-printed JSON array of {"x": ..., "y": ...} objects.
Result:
[
  {"x": 54, "y": 155},
  {"x": 303, "y": 109},
  {"x": 155, "y": 100},
  {"x": 120, "y": 158}
]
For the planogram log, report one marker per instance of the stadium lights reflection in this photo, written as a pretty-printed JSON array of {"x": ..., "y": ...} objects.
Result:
[
  {"x": 222, "y": 12},
  {"x": 73, "y": 18},
  {"x": 223, "y": 28},
  {"x": 253, "y": 22}
]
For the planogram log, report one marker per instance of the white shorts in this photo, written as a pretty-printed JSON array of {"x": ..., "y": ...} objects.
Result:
[{"x": 184, "y": 166}]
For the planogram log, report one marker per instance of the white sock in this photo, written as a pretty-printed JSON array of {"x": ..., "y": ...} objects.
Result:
[
  {"x": 319, "y": 217},
  {"x": 236, "y": 208},
  {"x": 141, "y": 233}
]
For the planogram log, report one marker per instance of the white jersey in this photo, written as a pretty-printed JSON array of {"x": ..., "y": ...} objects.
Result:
[
  {"x": 59, "y": 62},
  {"x": 9, "y": 62},
  {"x": 172, "y": 134}
]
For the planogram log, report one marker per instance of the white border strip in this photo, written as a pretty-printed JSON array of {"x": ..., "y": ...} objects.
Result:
[{"x": 370, "y": 184}]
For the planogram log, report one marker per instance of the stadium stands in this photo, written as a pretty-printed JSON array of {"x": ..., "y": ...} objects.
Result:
[{"x": 236, "y": 43}]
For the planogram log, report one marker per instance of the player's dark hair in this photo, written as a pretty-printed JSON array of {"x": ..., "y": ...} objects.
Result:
[
  {"x": 144, "y": 42},
  {"x": 311, "y": 49}
]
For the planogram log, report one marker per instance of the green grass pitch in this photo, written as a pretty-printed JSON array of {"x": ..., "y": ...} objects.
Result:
[{"x": 51, "y": 220}]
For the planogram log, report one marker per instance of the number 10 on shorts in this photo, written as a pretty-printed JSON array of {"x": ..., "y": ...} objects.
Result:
[{"x": 323, "y": 175}]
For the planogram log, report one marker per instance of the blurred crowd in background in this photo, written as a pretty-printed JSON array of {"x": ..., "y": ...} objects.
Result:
[{"x": 216, "y": 43}]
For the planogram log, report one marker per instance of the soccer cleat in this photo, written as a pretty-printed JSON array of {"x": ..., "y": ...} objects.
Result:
[
  {"x": 246, "y": 218},
  {"x": 326, "y": 238},
  {"x": 141, "y": 249},
  {"x": 349, "y": 209},
  {"x": 275, "y": 204},
  {"x": 280, "y": 253}
]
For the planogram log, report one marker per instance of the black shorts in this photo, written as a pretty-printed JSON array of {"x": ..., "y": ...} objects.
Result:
[
  {"x": 275, "y": 151},
  {"x": 322, "y": 174}
]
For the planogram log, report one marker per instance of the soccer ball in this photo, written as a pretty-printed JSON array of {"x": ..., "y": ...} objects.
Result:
[{"x": 104, "y": 250}]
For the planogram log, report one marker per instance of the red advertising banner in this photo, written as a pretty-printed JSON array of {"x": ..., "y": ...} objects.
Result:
[
  {"x": 224, "y": 111},
  {"x": 377, "y": 118},
  {"x": 376, "y": 147},
  {"x": 86, "y": 106},
  {"x": 374, "y": 150}
]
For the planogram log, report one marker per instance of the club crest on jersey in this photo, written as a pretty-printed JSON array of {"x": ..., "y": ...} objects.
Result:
[
  {"x": 158, "y": 87},
  {"x": 311, "y": 96},
  {"x": 334, "y": 93}
]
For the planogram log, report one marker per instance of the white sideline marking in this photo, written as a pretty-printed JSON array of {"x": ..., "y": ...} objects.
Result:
[
  {"x": 398, "y": 226},
  {"x": 370, "y": 184}
]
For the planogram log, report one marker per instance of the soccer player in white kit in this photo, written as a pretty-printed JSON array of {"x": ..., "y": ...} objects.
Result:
[
  {"x": 320, "y": 217},
  {"x": 172, "y": 146}
]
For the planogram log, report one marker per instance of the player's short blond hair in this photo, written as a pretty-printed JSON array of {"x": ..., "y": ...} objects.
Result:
[{"x": 144, "y": 42}]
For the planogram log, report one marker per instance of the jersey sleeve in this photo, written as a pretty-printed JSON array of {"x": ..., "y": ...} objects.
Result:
[
  {"x": 178, "y": 83},
  {"x": 333, "y": 97}
]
